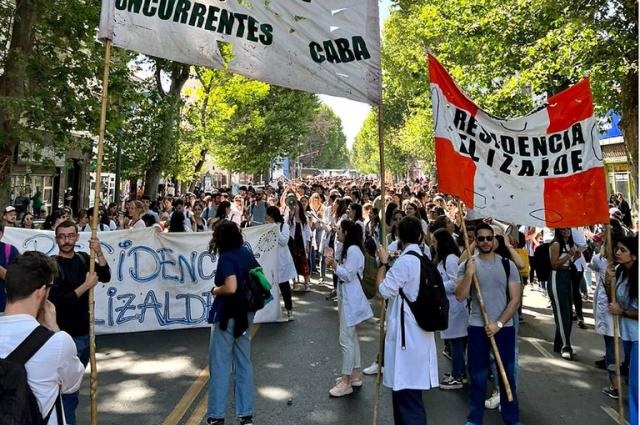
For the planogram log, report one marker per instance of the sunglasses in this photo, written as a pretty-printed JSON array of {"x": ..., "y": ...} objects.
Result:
[{"x": 484, "y": 238}]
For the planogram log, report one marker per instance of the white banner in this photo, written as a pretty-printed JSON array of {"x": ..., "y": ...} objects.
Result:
[
  {"x": 158, "y": 280},
  {"x": 319, "y": 46}
]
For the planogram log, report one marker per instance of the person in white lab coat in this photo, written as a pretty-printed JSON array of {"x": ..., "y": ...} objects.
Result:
[
  {"x": 406, "y": 371},
  {"x": 353, "y": 307},
  {"x": 286, "y": 268}
]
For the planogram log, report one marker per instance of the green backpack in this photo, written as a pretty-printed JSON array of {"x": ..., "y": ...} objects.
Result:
[{"x": 368, "y": 280}]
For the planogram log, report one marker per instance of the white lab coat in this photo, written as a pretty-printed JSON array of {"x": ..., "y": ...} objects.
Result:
[
  {"x": 286, "y": 267},
  {"x": 601, "y": 314},
  {"x": 354, "y": 302},
  {"x": 458, "y": 313},
  {"x": 417, "y": 366}
]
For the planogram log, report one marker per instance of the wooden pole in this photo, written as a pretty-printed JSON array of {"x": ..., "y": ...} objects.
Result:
[
  {"x": 94, "y": 228},
  {"x": 485, "y": 316},
  {"x": 616, "y": 324},
  {"x": 384, "y": 240}
]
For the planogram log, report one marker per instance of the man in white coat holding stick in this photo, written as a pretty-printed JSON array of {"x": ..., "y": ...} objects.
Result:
[{"x": 409, "y": 370}]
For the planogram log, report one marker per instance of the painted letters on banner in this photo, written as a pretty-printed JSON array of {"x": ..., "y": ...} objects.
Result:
[
  {"x": 543, "y": 169},
  {"x": 319, "y": 46},
  {"x": 158, "y": 280}
]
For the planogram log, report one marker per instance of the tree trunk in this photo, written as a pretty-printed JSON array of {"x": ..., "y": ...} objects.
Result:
[
  {"x": 629, "y": 127},
  {"x": 13, "y": 84},
  {"x": 152, "y": 180},
  {"x": 198, "y": 169},
  {"x": 179, "y": 74}
]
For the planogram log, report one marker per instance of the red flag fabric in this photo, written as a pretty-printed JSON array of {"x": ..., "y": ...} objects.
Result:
[{"x": 543, "y": 169}]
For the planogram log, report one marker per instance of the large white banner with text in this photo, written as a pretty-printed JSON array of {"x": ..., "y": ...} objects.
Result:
[
  {"x": 319, "y": 46},
  {"x": 159, "y": 280}
]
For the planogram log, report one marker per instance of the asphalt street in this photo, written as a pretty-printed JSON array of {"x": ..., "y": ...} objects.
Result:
[{"x": 162, "y": 378}]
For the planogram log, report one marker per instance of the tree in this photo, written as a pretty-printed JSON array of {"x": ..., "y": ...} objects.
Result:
[
  {"x": 51, "y": 82},
  {"x": 276, "y": 126},
  {"x": 327, "y": 138},
  {"x": 502, "y": 53},
  {"x": 221, "y": 110}
]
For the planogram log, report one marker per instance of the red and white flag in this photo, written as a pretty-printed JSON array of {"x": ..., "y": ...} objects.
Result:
[{"x": 543, "y": 169}]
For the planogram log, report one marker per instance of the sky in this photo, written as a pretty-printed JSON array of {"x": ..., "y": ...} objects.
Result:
[{"x": 353, "y": 113}]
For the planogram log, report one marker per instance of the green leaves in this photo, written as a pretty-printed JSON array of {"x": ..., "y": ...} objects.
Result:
[{"x": 506, "y": 55}]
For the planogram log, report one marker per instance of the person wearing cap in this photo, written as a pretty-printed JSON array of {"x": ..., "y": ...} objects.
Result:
[{"x": 9, "y": 216}]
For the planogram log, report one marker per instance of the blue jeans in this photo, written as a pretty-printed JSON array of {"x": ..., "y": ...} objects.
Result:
[
  {"x": 70, "y": 401},
  {"x": 516, "y": 368},
  {"x": 633, "y": 384},
  {"x": 408, "y": 408},
  {"x": 478, "y": 359},
  {"x": 226, "y": 352},
  {"x": 457, "y": 348}
]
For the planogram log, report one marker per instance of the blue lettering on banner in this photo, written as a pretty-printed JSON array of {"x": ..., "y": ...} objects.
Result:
[
  {"x": 151, "y": 264},
  {"x": 150, "y": 301},
  {"x": 192, "y": 308},
  {"x": 163, "y": 260},
  {"x": 44, "y": 243}
]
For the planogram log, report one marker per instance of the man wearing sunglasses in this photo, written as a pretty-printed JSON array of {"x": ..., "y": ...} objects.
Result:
[
  {"x": 70, "y": 295},
  {"x": 501, "y": 295}
]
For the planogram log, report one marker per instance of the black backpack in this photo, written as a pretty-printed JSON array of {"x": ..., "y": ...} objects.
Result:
[
  {"x": 431, "y": 307},
  {"x": 256, "y": 290},
  {"x": 18, "y": 404},
  {"x": 542, "y": 261}
]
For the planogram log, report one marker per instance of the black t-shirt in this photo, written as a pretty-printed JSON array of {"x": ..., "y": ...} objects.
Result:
[{"x": 73, "y": 312}]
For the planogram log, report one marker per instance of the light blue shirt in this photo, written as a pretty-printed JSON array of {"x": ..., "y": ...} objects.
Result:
[{"x": 628, "y": 326}]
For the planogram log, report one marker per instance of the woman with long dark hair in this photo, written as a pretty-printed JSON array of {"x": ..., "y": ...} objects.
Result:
[
  {"x": 176, "y": 222},
  {"x": 446, "y": 260},
  {"x": 301, "y": 234},
  {"x": 353, "y": 307},
  {"x": 373, "y": 227},
  {"x": 27, "y": 221},
  {"x": 286, "y": 268},
  {"x": 230, "y": 344},
  {"x": 562, "y": 252},
  {"x": 340, "y": 213},
  {"x": 355, "y": 214},
  {"x": 626, "y": 310},
  {"x": 198, "y": 223},
  {"x": 221, "y": 215}
]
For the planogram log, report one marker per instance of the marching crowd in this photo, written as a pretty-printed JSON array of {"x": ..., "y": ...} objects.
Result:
[{"x": 365, "y": 245}]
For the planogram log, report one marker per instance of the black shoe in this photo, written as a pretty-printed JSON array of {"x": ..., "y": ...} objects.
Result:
[
  {"x": 333, "y": 294},
  {"x": 600, "y": 364},
  {"x": 211, "y": 421},
  {"x": 246, "y": 420},
  {"x": 581, "y": 324}
]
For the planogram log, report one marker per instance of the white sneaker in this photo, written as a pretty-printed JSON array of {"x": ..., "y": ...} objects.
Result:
[
  {"x": 372, "y": 370},
  {"x": 493, "y": 401},
  {"x": 289, "y": 315}
]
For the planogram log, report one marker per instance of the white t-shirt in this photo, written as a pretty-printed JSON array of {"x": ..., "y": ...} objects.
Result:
[{"x": 55, "y": 365}]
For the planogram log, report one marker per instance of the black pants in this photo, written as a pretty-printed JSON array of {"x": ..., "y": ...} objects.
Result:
[
  {"x": 408, "y": 408},
  {"x": 576, "y": 281},
  {"x": 285, "y": 290}
]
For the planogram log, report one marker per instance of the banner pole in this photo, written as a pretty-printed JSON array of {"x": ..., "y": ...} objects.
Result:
[
  {"x": 384, "y": 240},
  {"x": 485, "y": 316},
  {"x": 616, "y": 323},
  {"x": 94, "y": 228}
]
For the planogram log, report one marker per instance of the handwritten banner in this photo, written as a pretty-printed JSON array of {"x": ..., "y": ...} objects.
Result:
[
  {"x": 329, "y": 46},
  {"x": 158, "y": 280},
  {"x": 543, "y": 169}
]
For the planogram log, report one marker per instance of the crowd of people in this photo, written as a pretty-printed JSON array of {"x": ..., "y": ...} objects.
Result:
[{"x": 329, "y": 227}]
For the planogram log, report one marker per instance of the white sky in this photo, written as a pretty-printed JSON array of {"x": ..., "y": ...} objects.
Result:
[{"x": 353, "y": 113}]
